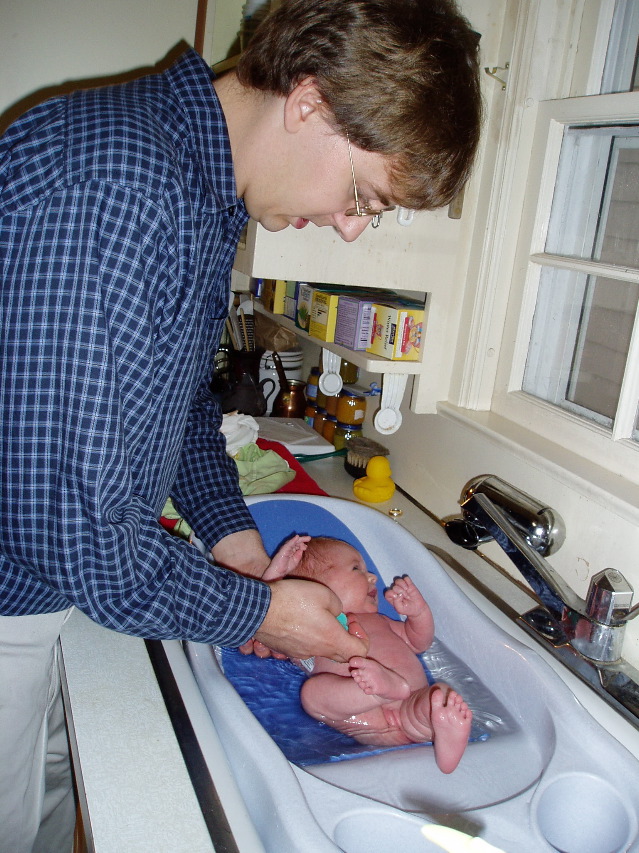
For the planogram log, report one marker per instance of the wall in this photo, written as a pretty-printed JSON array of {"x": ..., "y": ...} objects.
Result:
[{"x": 44, "y": 46}]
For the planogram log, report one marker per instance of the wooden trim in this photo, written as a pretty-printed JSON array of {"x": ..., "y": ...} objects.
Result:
[
  {"x": 200, "y": 26},
  {"x": 79, "y": 837}
]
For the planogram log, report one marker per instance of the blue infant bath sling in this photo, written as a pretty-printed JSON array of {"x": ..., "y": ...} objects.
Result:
[{"x": 271, "y": 688}]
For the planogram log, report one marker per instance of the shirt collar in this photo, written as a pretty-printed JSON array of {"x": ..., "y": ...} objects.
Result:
[{"x": 192, "y": 80}]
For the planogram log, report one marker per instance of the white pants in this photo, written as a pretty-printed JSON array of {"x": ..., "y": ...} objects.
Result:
[{"x": 37, "y": 809}]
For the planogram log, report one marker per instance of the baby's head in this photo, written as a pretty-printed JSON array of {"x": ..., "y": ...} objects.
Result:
[{"x": 341, "y": 568}]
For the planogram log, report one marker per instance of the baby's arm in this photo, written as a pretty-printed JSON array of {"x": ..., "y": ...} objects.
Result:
[
  {"x": 286, "y": 559},
  {"x": 419, "y": 628}
]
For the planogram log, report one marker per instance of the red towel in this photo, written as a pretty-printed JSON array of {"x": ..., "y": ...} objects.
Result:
[{"x": 303, "y": 484}]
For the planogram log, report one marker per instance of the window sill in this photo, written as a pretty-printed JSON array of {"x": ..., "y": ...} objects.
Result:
[{"x": 613, "y": 491}]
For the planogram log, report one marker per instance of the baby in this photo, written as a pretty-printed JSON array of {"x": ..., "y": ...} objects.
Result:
[{"x": 383, "y": 698}]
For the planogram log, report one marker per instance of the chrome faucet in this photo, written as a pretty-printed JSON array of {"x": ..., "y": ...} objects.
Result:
[{"x": 527, "y": 531}]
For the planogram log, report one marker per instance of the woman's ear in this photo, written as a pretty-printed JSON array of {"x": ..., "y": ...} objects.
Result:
[{"x": 302, "y": 104}]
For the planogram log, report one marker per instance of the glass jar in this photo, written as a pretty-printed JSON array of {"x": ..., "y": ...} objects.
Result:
[
  {"x": 311, "y": 384},
  {"x": 331, "y": 404},
  {"x": 349, "y": 372},
  {"x": 343, "y": 433},
  {"x": 309, "y": 414},
  {"x": 318, "y": 420},
  {"x": 351, "y": 407},
  {"x": 320, "y": 399},
  {"x": 328, "y": 430}
]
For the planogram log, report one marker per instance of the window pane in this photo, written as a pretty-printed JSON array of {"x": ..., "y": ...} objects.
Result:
[
  {"x": 620, "y": 71},
  {"x": 597, "y": 218},
  {"x": 580, "y": 340}
]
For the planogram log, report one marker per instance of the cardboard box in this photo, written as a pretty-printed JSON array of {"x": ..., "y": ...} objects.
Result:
[
  {"x": 354, "y": 318},
  {"x": 397, "y": 331},
  {"x": 290, "y": 300},
  {"x": 304, "y": 304},
  {"x": 324, "y": 315},
  {"x": 307, "y": 290},
  {"x": 273, "y": 293}
]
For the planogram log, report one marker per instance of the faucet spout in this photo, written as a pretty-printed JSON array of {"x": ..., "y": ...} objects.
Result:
[
  {"x": 549, "y": 586},
  {"x": 526, "y": 530},
  {"x": 585, "y": 635}
]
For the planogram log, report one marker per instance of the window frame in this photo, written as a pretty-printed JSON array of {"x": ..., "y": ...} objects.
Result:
[{"x": 614, "y": 451}]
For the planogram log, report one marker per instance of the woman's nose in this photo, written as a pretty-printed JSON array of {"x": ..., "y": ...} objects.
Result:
[{"x": 350, "y": 227}]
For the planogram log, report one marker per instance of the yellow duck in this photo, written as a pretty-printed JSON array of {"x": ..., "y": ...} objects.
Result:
[{"x": 377, "y": 485}]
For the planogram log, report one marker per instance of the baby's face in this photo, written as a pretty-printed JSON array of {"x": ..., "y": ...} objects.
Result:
[{"x": 350, "y": 580}]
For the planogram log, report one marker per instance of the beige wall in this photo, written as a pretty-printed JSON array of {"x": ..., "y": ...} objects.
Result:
[{"x": 44, "y": 45}]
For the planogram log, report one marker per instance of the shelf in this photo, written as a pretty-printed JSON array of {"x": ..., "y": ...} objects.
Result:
[{"x": 364, "y": 360}]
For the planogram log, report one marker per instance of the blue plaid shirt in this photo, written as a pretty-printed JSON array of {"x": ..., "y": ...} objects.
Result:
[{"x": 118, "y": 226}]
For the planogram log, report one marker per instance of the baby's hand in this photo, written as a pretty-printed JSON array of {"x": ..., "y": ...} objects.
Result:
[
  {"x": 286, "y": 559},
  {"x": 355, "y": 628},
  {"x": 405, "y": 597}
]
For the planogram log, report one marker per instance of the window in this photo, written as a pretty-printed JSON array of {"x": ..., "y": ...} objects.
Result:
[
  {"x": 620, "y": 70},
  {"x": 584, "y": 317},
  {"x": 571, "y": 371}
]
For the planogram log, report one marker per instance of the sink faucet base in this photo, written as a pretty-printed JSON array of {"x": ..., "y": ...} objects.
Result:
[{"x": 617, "y": 682}]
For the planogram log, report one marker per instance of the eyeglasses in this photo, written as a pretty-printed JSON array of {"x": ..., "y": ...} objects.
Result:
[{"x": 364, "y": 208}]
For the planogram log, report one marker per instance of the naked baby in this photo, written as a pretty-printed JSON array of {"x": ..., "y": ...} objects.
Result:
[{"x": 384, "y": 698}]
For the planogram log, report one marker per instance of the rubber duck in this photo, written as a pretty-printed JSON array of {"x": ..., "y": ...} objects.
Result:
[{"x": 377, "y": 485}]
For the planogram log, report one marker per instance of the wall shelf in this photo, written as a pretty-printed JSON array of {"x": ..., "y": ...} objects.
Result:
[
  {"x": 421, "y": 259},
  {"x": 388, "y": 418},
  {"x": 363, "y": 359}
]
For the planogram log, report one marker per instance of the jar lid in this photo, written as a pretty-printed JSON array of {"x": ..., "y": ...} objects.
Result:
[{"x": 341, "y": 425}]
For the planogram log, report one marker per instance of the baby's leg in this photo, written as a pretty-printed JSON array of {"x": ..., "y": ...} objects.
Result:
[
  {"x": 439, "y": 714},
  {"x": 375, "y": 680},
  {"x": 335, "y": 699}
]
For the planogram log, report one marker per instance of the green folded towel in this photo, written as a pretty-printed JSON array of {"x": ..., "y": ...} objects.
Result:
[{"x": 261, "y": 471}]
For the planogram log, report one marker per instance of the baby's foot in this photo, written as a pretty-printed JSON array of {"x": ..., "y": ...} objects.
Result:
[
  {"x": 450, "y": 719},
  {"x": 374, "y": 679}
]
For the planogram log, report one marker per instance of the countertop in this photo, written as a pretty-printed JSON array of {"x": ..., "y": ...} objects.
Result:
[{"x": 136, "y": 793}]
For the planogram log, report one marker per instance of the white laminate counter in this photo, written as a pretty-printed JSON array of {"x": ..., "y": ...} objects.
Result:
[
  {"x": 135, "y": 791},
  {"x": 134, "y": 786}
]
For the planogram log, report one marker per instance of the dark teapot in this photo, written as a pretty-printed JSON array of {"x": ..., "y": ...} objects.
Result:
[{"x": 247, "y": 396}]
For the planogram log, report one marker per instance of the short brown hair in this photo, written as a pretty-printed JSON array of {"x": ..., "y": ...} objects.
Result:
[{"x": 401, "y": 77}]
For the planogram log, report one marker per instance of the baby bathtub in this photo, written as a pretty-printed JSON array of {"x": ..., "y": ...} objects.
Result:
[{"x": 545, "y": 776}]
